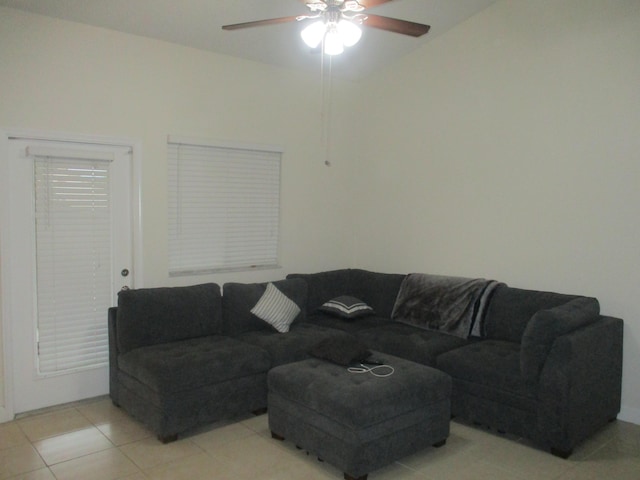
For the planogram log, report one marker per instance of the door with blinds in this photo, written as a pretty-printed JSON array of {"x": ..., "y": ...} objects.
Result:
[{"x": 71, "y": 252}]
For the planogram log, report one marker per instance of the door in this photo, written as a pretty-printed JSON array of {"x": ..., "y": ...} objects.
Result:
[{"x": 70, "y": 244}]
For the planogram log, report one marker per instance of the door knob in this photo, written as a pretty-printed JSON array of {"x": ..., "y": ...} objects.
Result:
[{"x": 124, "y": 272}]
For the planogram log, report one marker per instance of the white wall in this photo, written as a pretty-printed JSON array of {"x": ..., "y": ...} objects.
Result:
[
  {"x": 63, "y": 76},
  {"x": 58, "y": 76},
  {"x": 509, "y": 148}
]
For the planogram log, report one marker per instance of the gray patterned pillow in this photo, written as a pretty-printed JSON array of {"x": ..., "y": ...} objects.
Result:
[
  {"x": 346, "y": 307},
  {"x": 275, "y": 308}
]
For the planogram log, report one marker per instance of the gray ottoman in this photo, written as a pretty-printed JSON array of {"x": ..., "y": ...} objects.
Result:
[{"x": 356, "y": 421}]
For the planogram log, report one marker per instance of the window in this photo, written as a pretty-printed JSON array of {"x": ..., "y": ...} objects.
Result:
[
  {"x": 224, "y": 207},
  {"x": 73, "y": 259}
]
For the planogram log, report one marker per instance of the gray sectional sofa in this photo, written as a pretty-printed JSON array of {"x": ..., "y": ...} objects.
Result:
[{"x": 546, "y": 366}]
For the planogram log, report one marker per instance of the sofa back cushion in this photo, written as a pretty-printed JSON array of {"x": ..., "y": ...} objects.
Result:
[
  {"x": 324, "y": 286},
  {"x": 378, "y": 290},
  {"x": 546, "y": 325},
  {"x": 149, "y": 316},
  {"x": 239, "y": 298},
  {"x": 510, "y": 309}
]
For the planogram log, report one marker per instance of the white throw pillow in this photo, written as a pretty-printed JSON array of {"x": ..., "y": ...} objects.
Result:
[{"x": 275, "y": 308}]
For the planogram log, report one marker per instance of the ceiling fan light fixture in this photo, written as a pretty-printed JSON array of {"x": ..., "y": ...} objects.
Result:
[
  {"x": 337, "y": 23},
  {"x": 352, "y": 6},
  {"x": 333, "y": 43},
  {"x": 334, "y": 36},
  {"x": 349, "y": 32},
  {"x": 313, "y": 34}
]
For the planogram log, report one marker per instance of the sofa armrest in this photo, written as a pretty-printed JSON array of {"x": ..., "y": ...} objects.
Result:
[
  {"x": 112, "y": 314},
  {"x": 545, "y": 326},
  {"x": 580, "y": 383}
]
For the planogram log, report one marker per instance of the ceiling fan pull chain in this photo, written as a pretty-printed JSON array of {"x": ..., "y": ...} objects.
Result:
[{"x": 325, "y": 108}]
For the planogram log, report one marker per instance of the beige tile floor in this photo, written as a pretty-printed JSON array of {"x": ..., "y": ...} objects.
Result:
[{"x": 94, "y": 440}]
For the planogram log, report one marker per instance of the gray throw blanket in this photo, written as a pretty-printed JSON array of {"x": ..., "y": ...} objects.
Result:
[{"x": 452, "y": 305}]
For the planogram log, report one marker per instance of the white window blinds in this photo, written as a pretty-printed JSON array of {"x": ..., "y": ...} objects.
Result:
[
  {"x": 73, "y": 261},
  {"x": 224, "y": 207}
]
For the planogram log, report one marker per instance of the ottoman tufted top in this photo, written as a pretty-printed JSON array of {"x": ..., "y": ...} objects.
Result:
[{"x": 360, "y": 400}]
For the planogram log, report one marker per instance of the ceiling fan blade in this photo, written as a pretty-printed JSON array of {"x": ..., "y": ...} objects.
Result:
[
  {"x": 364, "y": 3},
  {"x": 395, "y": 25},
  {"x": 372, "y": 3},
  {"x": 259, "y": 23}
]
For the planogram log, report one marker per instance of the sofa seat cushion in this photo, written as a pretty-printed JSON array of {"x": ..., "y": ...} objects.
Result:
[
  {"x": 494, "y": 364},
  {"x": 415, "y": 344},
  {"x": 291, "y": 346},
  {"x": 195, "y": 363},
  {"x": 352, "y": 326},
  {"x": 169, "y": 413}
]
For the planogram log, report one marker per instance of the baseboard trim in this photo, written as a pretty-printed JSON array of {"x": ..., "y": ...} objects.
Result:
[
  {"x": 631, "y": 415},
  {"x": 6, "y": 415}
]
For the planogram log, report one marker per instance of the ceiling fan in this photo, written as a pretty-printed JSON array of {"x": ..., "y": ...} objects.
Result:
[{"x": 337, "y": 23}]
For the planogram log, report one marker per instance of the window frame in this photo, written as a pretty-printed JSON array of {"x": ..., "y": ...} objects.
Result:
[{"x": 262, "y": 152}]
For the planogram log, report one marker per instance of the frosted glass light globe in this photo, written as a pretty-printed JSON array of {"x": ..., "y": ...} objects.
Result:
[
  {"x": 313, "y": 34},
  {"x": 349, "y": 32},
  {"x": 333, "y": 44}
]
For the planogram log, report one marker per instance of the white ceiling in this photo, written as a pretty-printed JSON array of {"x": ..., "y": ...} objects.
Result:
[{"x": 197, "y": 23}]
